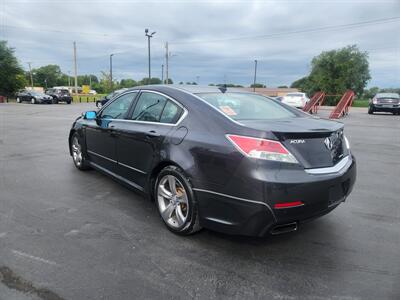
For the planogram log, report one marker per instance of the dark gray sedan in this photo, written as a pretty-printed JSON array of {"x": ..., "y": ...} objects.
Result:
[{"x": 227, "y": 160}]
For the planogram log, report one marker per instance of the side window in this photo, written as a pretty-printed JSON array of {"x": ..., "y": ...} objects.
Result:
[
  {"x": 171, "y": 113},
  {"x": 149, "y": 107},
  {"x": 119, "y": 108}
]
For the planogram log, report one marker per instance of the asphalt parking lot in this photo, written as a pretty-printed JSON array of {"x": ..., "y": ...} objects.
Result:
[{"x": 66, "y": 234}]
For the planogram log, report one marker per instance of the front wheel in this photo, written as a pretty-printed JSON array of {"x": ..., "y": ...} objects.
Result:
[
  {"x": 176, "y": 201},
  {"x": 370, "y": 110},
  {"x": 33, "y": 101},
  {"x": 18, "y": 100},
  {"x": 77, "y": 153}
]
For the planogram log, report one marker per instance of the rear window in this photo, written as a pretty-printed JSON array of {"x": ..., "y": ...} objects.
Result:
[{"x": 243, "y": 106}]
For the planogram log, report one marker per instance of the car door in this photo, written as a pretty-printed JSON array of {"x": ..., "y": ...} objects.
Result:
[
  {"x": 101, "y": 135},
  {"x": 140, "y": 139},
  {"x": 24, "y": 96}
]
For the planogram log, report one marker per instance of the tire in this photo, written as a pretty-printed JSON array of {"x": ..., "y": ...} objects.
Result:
[
  {"x": 33, "y": 100},
  {"x": 177, "y": 206},
  {"x": 18, "y": 100},
  {"x": 69, "y": 102},
  {"x": 78, "y": 156},
  {"x": 370, "y": 110},
  {"x": 55, "y": 101}
]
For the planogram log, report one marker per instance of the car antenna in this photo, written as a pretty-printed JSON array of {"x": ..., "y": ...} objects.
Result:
[{"x": 223, "y": 88}]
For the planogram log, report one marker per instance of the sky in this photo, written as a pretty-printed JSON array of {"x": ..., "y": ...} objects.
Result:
[{"x": 209, "y": 41}]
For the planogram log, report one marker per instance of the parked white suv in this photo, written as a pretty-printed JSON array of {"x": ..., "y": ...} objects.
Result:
[{"x": 297, "y": 99}]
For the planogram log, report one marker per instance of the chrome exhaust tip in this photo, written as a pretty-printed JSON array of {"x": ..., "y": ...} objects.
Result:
[{"x": 284, "y": 228}]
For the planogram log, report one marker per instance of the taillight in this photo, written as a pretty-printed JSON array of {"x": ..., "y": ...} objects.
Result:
[
  {"x": 261, "y": 148},
  {"x": 288, "y": 204}
]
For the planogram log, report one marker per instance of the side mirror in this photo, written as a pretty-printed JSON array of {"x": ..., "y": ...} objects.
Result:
[{"x": 90, "y": 115}]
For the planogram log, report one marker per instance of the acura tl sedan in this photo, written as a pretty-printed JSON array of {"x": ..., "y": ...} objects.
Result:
[{"x": 226, "y": 160}]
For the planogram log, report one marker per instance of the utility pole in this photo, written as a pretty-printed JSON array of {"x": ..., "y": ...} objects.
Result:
[
  {"x": 111, "y": 80},
  {"x": 90, "y": 81},
  {"x": 30, "y": 72},
  {"x": 75, "y": 70},
  {"x": 149, "y": 36},
  {"x": 69, "y": 79},
  {"x": 166, "y": 62},
  {"x": 255, "y": 75},
  {"x": 162, "y": 74}
]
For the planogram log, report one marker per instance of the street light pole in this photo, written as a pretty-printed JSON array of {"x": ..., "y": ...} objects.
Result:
[
  {"x": 162, "y": 74},
  {"x": 149, "y": 36},
  {"x": 111, "y": 80},
  {"x": 255, "y": 75},
  {"x": 30, "y": 72}
]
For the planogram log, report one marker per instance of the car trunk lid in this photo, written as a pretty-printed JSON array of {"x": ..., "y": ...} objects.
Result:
[{"x": 315, "y": 143}]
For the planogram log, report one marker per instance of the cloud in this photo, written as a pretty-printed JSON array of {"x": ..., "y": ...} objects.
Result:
[{"x": 207, "y": 37}]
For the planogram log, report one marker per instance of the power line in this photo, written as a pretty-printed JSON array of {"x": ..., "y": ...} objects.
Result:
[
  {"x": 307, "y": 30},
  {"x": 71, "y": 32}
]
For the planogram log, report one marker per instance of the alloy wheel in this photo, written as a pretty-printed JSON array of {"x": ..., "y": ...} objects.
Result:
[
  {"x": 172, "y": 201},
  {"x": 76, "y": 152}
]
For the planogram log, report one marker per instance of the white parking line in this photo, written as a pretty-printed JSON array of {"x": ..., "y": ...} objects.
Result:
[{"x": 34, "y": 257}]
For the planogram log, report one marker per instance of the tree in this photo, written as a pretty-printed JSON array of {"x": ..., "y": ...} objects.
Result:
[
  {"x": 282, "y": 87},
  {"x": 336, "y": 71},
  {"x": 127, "y": 83},
  {"x": 153, "y": 80},
  {"x": 370, "y": 93},
  {"x": 47, "y": 76},
  {"x": 257, "y": 85},
  {"x": 169, "y": 81},
  {"x": 11, "y": 73}
]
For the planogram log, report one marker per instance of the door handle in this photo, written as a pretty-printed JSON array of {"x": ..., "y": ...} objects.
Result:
[
  {"x": 152, "y": 134},
  {"x": 112, "y": 131}
]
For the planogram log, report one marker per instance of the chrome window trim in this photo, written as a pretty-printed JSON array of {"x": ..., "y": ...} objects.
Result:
[
  {"x": 237, "y": 198},
  {"x": 344, "y": 163},
  {"x": 183, "y": 116}
]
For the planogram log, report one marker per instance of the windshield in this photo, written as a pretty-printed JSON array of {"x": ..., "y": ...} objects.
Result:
[{"x": 243, "y": 106}]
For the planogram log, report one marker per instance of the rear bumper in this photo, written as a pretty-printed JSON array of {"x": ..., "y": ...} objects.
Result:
[
  {"x": 386, "y": 107},
  {"x": 320, "y": 194}
]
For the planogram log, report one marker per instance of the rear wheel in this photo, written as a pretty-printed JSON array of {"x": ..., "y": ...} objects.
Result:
[
  {"x": 55, "y": 101},
  {"x": 176, "y": 201},
  {"x": 77, "y": 154},
  {"x": 18, "y": 100}
]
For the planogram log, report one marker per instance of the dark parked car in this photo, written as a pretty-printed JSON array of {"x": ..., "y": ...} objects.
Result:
[
  {"x": 101, "y": 102},
  {"x": 385, "y": 102},
  {"x": 60, "y": 95},
  {"x": 33, "y": 97},
  {"x": 231, "y": 161}
]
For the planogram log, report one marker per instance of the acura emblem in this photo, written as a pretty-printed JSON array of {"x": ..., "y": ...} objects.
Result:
[{"x": 328, "y": 143}]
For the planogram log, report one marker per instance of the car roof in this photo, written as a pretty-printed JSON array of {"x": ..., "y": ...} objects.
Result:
[
  {"x": 388, "y": 95},
  {"x": 194, "y": 89}
]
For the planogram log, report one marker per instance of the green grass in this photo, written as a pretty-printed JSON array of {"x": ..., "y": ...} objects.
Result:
[
  {"x": 85, "y": 99},
  {"x": 360, "y": 103}
]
